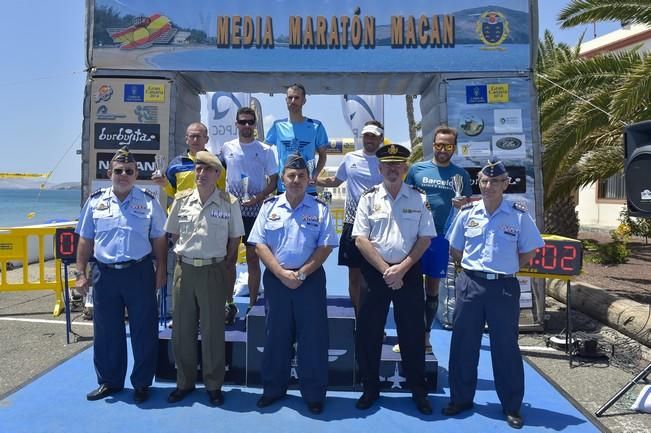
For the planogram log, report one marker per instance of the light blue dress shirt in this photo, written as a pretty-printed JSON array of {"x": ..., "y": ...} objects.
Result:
[
  {"x": 293, "y": 235},
  {"x": 491, "y": 243},
  {"x": 121, "y": 230}
]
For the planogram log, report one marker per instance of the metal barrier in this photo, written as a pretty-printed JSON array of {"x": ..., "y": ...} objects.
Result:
[{"x": 31, "y": 244}]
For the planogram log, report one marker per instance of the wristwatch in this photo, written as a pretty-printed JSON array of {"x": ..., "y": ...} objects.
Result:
[
  {"x": 78, "y": 274},
  {"x": 301, "y": 276}
]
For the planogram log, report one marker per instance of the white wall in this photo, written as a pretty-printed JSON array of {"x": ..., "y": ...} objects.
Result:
[{"x": 597, "y": 215}]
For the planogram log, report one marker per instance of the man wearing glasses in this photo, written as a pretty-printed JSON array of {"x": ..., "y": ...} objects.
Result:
[
  {"x": 490, "y": 239},
  {"x": 121, "y": 226},
  {"x": 299, "y": 135},
  {"x": 435, "y": 179},
  {"x": 252, "y": 176}
]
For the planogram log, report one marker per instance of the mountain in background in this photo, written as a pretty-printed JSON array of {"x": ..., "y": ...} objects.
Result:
[{"x": 36, "y": 184}]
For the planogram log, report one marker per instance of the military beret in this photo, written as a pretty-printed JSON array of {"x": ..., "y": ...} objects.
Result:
[
  {"x": 207, "y": 158},
  {"x": 494, "y": 169},
  {"x": 393, "y": 153},
  {"x": 295, "y": 161},
  {"x": 123, "y": 155}
]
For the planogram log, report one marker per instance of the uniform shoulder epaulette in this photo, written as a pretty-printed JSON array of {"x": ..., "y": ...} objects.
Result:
[
  {"x": 183, "y": 193},
  {"x": 98, "y": 192},
  {"x": 520, "y": 206},
  {"x": 149, "y": 194},
  {"x": 469, "y": 205},
  {"x": 228, "y": 197},
  {"x": 272, "y": 198},
  {"x": 370, "y": 190},
  {"x": 319, "y": 200},
  {"x": 417, "y": 189}
]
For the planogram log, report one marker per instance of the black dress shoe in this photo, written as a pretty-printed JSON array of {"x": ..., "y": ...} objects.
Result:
[
  {"x": 315, "y": 408},
  {"x": 266, "y": 400},
  {"x": 514, "y": 420},
  {"x": 101, "y": 392},
  {"x": 216, "y": 397},
  {"x": 178, "y": 394},
  {"x": 453, "y": 409},
  {"x": 422, "y": 404},
  {"x": 141, "y": 394},
  {"x": 367, "y": 399}
]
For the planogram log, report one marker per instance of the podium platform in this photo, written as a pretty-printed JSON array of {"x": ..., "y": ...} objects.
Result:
[{"x": 245, "y": 345}]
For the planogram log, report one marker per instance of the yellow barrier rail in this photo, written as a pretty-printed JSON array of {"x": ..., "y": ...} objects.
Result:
[{"x": 31, "y": 244}]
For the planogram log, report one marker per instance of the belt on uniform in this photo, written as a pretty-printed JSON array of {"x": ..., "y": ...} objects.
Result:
[
  {"x": 124, "y": 265},
  {"x": 487, "y": 275},
  {"x": 200, "y": 262}
]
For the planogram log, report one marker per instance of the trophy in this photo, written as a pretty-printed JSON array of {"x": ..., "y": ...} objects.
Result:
[
  {"x": 160, "y": 161},
  {"x": 457, "y": 185},
  {"x": 244, "y": 182},
  {"x": 311, "y": 164}
]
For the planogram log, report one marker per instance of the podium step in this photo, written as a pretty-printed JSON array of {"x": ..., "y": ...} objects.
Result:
[{"x": 235, "y": 338}]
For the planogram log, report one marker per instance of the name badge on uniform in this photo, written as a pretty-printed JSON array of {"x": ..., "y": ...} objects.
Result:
[
  {"x": 510, "y": 230},
  {"x": 410, "y": 211},
  {"x": 311, "y": 220}
]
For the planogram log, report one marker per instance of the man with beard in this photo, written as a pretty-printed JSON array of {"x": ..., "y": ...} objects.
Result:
[{"x": 435, "y": 179}]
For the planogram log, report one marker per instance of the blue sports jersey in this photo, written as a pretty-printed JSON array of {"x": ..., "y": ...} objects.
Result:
[
  {"x": 437, "y": 183},
  {"x": 289, "y": 138}
]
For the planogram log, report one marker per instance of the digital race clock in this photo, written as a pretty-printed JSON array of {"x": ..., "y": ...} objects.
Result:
[
  {"x": 559, "y": 256},
  {"x": 65, "y": 244}
]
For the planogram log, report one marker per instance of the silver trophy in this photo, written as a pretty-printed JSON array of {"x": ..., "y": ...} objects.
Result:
[
  {"x": 457, "y": 185},
  {"x": 160, "y": 161},
  {"x": 311, "y": 164},
  {"x": 244, "y": 182}
]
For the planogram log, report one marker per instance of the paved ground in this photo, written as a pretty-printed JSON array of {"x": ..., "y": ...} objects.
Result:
[{"x": 29, "y": 349}]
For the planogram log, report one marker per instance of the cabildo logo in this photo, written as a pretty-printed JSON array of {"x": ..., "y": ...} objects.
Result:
[
  {"x": 136, "y": 136},
  {"x": 492, "y": 28}
]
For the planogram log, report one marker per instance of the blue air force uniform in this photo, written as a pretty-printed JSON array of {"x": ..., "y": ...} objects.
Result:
[
  {"x": 298, "y": 314},
  {"x": 488, "y": 292},
  {"x": 123, "y": 276}
]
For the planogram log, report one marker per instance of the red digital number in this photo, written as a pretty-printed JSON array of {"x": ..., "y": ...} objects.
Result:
[
  {"x": 568, "y": 258},
  {"x": 545, "y": 257},
  {"x": 67, "y": 243}
]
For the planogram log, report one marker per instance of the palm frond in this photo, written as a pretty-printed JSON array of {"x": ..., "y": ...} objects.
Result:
[{"x": 590, "y": 11}]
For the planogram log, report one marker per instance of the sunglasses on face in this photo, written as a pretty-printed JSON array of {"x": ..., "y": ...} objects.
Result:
[
  {"x": 246, "y": 122},
  {"x": 443, "y": 146},
  {"x": 127, "y": 171}
]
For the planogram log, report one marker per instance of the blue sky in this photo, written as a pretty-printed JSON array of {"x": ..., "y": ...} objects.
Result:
[{"x": 42, "y": 86}]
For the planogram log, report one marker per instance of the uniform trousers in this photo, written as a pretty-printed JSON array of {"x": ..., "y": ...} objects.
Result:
[
  {"x": 199, "y": 297},
  {"x": 296, "y": 315},
  {"x": 113, "y": 290},
  {"x": 496, "y": 303},
  {"x": 408, "y": 312}
]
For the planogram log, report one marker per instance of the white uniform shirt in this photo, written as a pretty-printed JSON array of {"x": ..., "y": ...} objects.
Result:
[{"x": 393, "y": 225}]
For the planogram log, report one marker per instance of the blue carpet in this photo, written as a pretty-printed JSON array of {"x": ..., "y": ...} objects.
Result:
[{"x": 56, "y": 402}]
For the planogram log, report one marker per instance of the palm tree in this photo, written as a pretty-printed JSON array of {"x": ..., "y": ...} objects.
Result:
[{"x": 585, "y": 103}]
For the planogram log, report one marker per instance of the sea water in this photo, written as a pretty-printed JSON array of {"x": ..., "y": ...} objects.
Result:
[{"x": 48, "y": 205}]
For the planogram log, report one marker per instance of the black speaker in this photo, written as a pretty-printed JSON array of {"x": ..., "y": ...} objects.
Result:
[{"x": 637, "y": 168}]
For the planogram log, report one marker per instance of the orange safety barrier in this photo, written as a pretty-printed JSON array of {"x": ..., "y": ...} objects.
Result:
[{"x": 32, "y": 244}]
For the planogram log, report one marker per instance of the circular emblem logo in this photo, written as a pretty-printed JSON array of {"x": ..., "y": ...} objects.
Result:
[{"x": 492, "y": 28}]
